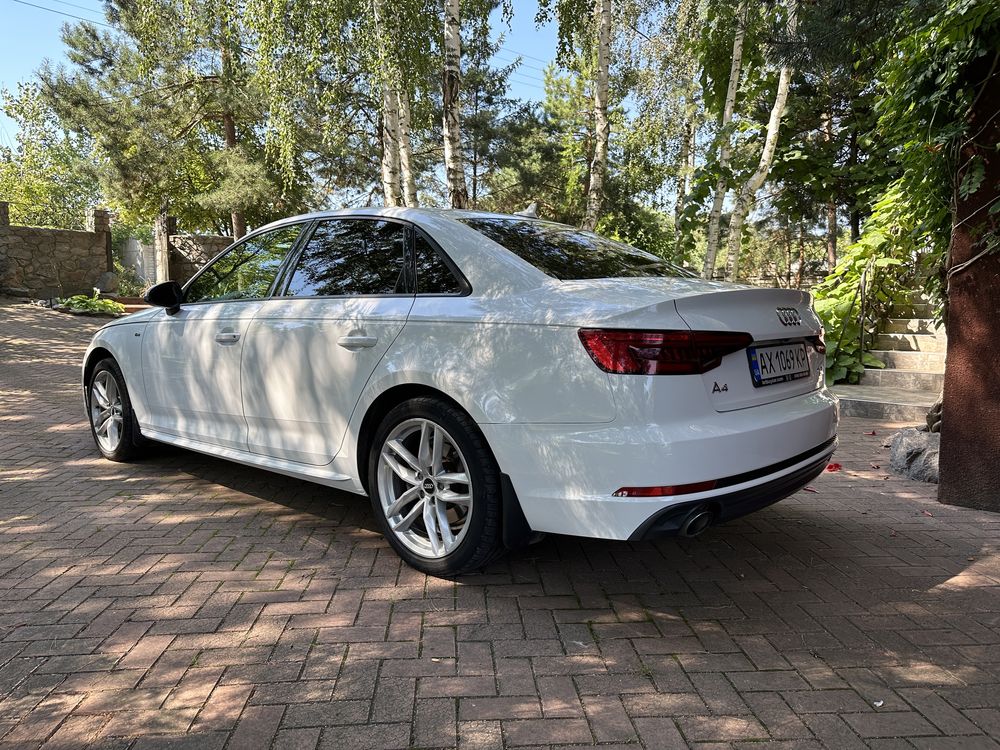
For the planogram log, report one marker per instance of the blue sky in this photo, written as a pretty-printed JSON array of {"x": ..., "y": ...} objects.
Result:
[{"x": 29, "y": 35}]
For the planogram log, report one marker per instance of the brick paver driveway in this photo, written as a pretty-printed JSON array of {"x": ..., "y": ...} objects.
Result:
[{"x": 187, "y": 602}]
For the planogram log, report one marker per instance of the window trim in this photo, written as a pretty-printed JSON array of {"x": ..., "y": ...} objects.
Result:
[
  {"x": 408, "y": 262},
  {"x": 292, "y": 251}
]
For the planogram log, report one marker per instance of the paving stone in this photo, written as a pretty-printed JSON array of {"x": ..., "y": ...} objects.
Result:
[{"x": 182, "y": 601}]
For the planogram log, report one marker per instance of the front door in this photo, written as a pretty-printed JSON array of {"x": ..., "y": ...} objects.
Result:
[
  {"x": 311, "y": 351},
  {"x": 191, "y": 360}
]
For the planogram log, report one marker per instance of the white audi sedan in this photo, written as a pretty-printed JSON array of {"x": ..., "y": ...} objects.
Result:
[{"x": 483, "y": 378}]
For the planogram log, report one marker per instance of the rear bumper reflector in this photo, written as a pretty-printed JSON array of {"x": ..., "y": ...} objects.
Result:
[
  {"x": 672, "y": 490},
  {"x": 669, "y": 490}
]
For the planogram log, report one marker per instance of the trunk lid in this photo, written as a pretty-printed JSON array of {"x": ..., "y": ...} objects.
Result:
[
  {"x": 781, "y": 322},
  {"x": 779, "y": 318}
]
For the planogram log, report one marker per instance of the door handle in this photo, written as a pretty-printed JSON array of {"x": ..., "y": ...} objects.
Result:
[
  {"x": 357, "y": 342},
  {"x": 227, "y": 337}
]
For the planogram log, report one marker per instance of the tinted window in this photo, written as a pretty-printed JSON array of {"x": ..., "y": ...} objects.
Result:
[
  {"x": 569, "y": 253},
  {"x": 351, "y": 257},
  {"x": 433, "y": 274},
  {"x": 247, "y": 270}
]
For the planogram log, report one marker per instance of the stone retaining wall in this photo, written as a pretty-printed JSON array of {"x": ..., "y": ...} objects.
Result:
[
  {"x": 45, "y": 263},
  {"x": 189, "y": 252}
]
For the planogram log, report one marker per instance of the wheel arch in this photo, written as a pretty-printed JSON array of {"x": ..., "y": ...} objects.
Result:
[
  {"x": 382, "y": 405},
  {"x": 514, "y": 526},
  {"x": 95, "y": 355}
]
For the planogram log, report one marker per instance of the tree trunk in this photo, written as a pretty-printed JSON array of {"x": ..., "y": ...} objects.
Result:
[
  {"x": 475, "y": 153},
  {"x": 602, "y": 126},
  {"x": 832, "y": 230},
  {"x": 685, "y": 164},
  {"x": 458, "y": 194},
  {"x": 802, "y": 255},
  {"x": 855, "y": 215},
  {"x": 229, "y": 126},
  {"x": 786, "y": 234},
  {"x": 390, "y": 148},
  {"x": 406, "y": 150},
  {"x": 725, "y": 143},
  {"x": 748, "y": 192},
  {"x": 970, "y": 417},
  {"x": 388, "y": 77},
  {"x": 831, "y": 205},
  {"x": 237, "y": 219}
]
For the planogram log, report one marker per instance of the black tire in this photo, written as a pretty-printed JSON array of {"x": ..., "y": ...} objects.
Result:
[
  {"x": 482, "y": 542},
  {"x": 131, "y": 443}
]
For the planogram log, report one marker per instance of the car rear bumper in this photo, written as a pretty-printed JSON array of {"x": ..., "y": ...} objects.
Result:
[
  {"x": 565, "y": 476},
  {"x": 731, "y": 505}
]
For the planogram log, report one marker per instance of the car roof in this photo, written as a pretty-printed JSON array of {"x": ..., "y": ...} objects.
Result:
[{"x": 396, "y": 212}]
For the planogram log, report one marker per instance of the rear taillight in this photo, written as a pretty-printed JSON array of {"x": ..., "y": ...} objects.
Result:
[
  {"x": 660, "y": 352},
  {"x": 818, "y": 343}
]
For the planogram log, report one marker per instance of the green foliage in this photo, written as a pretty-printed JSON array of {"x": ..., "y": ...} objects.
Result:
[
  {"x": 81, "y": 303},
  {"x": 48, "y": 177},
  {"x": 129, "y": 283},
  {"x": 155, "y": 105},
  {"x": 548, "y": 162},
  {"x": 925, "y": 109},
  {"x": 883, "y": 267},
  {"x": 923, "y": 106}
]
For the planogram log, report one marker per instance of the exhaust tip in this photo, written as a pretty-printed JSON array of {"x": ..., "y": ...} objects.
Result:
[{"x": 697, "y": 522}]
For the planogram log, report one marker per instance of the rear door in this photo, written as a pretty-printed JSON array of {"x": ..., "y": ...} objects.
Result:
[
  {"x": 191, "y": 360},
  {"x": 311, "y": 350}
]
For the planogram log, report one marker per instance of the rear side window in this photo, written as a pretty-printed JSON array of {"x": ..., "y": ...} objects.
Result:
[
  {"x": 566, "y": 253},
  {"x": 433, "y": 274},
  {"x": 351, "y": 257}
]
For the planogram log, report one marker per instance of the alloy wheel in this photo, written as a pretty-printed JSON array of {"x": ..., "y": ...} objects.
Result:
[
  {"x": 424, "y": 488},
  {"x": 106, "y": 410}
]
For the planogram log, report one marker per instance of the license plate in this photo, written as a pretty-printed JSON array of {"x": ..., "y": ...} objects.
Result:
[{"x": 777, "y": 363}]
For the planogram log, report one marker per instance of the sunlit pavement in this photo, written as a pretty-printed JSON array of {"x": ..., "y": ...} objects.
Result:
[{"x": 188, "y": 602}]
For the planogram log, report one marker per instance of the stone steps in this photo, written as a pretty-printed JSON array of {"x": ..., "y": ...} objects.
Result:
[
  {"x": 913, "y": 380},
  {"x": 913, "y": 348},
  {"x": 914, "y": 325},
  {"x": 921, "y": 361},
  {"x": 918, "y": 310},
  {"x": 912, "y": 342},
  {"x": 884, "y": 402}
]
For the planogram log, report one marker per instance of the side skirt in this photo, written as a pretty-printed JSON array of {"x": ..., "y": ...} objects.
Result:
[{"x": 318, "y": 474}]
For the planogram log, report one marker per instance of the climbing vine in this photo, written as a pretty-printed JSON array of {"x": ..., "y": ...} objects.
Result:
[{"x": 924, "y": 104}]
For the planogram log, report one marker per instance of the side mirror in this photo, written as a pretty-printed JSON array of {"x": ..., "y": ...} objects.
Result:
[{"x": 166, "y": 294}]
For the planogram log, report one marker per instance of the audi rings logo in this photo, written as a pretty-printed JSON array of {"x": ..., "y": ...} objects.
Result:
[{"x": 788, "y": 316}]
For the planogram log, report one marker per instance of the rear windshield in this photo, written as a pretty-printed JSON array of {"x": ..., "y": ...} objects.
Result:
[{"x": 567, "y": 253}]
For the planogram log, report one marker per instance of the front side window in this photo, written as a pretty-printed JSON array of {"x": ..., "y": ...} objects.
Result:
[
  {"x": 247, "y": 270},
  {"x": 567, "y": 253},
  {"x": 351, "y": 257}
]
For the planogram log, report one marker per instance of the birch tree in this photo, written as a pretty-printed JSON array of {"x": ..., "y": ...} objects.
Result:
[
  {"x": 747, "y": 194},
  {"x": 685, "y": 168},
  {"x": 391, "y": 194},
  {"x": 724, "y": 139},
  {"x": 357, "y": 67},
  {"x": 585, "y": 34},
  {"x": 454, "y": 166},
  {"x": 407, "y": 178},
  {"x": 602, "y": 125}
]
